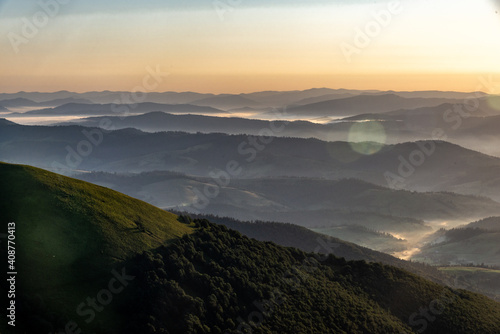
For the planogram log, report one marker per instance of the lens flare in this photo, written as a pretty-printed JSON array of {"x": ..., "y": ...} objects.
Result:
[{"x": 367, "y": 137}]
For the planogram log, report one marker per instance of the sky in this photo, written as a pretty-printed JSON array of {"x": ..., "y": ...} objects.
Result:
[{"x": 239, "y": 46}]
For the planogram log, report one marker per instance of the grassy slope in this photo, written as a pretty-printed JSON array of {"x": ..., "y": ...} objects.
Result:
[{"x": 70, "y": 234}]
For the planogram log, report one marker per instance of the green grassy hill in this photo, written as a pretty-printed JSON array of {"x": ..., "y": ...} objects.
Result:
[
  {"x": 70, "y": 234},
  {"x": 197, "y": 277}
]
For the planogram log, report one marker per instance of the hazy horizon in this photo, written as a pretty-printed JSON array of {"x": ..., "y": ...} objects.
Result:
[
  {"x": 244, "y": 46},
  {"x": 260, "y": 166}
]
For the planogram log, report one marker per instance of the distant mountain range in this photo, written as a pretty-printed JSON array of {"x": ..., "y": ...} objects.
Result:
[
  {"x": 266, "y": 98},
  {"x": 356, "y": 105},
  {"x": 161, "y": 121},
  {"x": 301, "y": 213},
  {"x": 226, "y": 102},
  {"x": 129, "y": 150},
  {"x": 478, "y": 132},
  {"x": 122, "y": 110}
]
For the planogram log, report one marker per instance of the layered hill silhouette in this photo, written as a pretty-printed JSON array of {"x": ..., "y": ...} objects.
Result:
[
  {"x": 475, "y": 243},
  {"x": 413, "y": 166},
  {"x": 181, "y": 276},
  {"x": 226, "y": 102},
  {"x": 23, "y": 102},
  {"x": 355, "y": 105},
  {"x": 264, "y": 98},
  {"x": 376, "y": 217},
  {"x": 308, "y": 202},
  {"x": 122, "y": 110},
  {"x": 475, "y": 130}
]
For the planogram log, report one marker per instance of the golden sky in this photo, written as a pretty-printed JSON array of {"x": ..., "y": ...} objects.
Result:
[{"x": 251, "y": 46}]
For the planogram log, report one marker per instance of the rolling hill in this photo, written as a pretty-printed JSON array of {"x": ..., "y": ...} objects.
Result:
[
  {"x": 476, "y": 129},
  {"x": 226, "y": 102},
  {"x": 18, "y": 102},
  {"x": 362, "y": 104},
  {"x": 77, "y": 240},
  {"x": 128, "y": 150},
  {"x": 308, "y": 202},
  {"x": 349, "y": 209},
  {"x": 84, "y": 109},
  {"x": 290, "y": 235},
  {"x": 476, "y": 243},
  {"x": 71, "y": 234},
  {"x": 265, "y": 98},
  {"x": 161, "y": 121}
]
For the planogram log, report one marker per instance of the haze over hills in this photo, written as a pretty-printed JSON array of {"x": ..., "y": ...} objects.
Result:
[
  {"x": 353, "y": 179},
  {"x": 173, "y": 267},
  {"x": 341, "y": 208},
  {"x": 250, "y": 167},
  {"x": 23, "y": 102},
  {"x": 18, "y": 102},
  {"x": 122, "y": 110},
  {"x": 265, "y": 98},
  {"x": 226, "y": 102},
  {"x": 467, "y": 171},
  {"x": 379, "y": 218},
  {"x": 290, "y": 235},
  {"x": 477, "y": 131},
  {"x": 477, "y": 279},
  {"x": 475, "y": 128},
  {"x": 364, "y": 103},
  {"x": 161, "y": 121},
  {"x": 476, "y": 243},
  {"x": 251, "y": 197}
]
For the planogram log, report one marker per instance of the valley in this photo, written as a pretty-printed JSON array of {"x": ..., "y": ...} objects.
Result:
[
  {"x": 405, "y": 199},
  {"x": 249, "y": 167}
]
